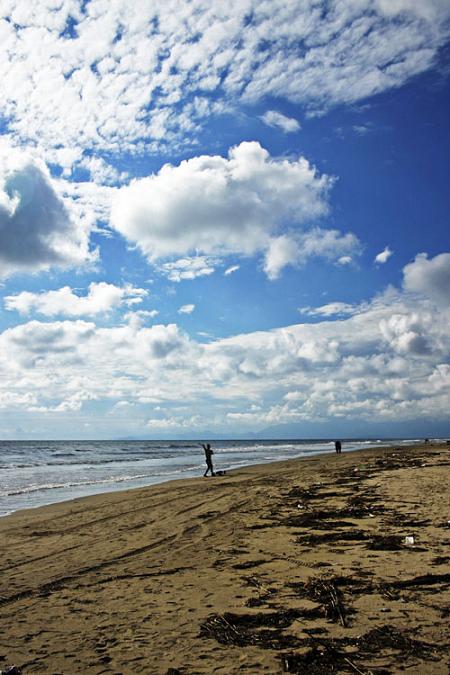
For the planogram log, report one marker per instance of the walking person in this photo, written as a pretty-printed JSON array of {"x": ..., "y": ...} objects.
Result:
[{"x": 208, "y": 456}]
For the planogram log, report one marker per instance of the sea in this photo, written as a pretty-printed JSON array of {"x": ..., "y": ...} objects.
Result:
[{"x": 35, "y": 473}]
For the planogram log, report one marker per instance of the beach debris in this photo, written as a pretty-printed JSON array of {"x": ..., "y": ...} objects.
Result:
[
  {"x": 389, "y": 542},
  {"x": 423, "y": 580},
  {"x": 304, "y": 493},
  {"x": 409, "y": 540},
  {"x": 248, "y": 564},
  {"x": 326, "y": 593},
  {"x": 11, "y": 670},
  {"x": 264, "y": 629},
  {"x": 321, "y": 660},
  {"x": 326, "y": 655},
  {"x": 392, "y": 638},
  {"x": 332, "y": 537},
  {"x": 317, "y": 519}
]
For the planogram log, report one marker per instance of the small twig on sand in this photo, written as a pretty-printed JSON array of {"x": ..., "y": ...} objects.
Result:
[{"x": 356, "y": 669}]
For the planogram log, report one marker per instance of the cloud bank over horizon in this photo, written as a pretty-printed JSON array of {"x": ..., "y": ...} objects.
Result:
[{"x": 385, "y": 359}]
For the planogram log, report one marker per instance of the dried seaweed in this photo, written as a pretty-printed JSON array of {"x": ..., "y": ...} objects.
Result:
[
  {"x": 317, "y": 520},
  {"x": 323, "y": 660},
  {"x": 326, "y": 655},
  {"x": 303, "y": 493},
  {"x": 389, "y": 637},
  {"x": 264, "y": 630},
  {"x": 422, "y": 580},
  {"x": 388, "y": 542},
  {"x": 332, "y": 537},
  {"x": 440, "y": 560},
  {"x": 326, "y": 593}
]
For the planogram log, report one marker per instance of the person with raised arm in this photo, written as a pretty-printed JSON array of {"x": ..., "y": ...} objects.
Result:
[{"x": 208, "y": 456}]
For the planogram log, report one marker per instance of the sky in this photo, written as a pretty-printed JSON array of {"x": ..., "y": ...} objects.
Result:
[{"x": 224, "y": 218}]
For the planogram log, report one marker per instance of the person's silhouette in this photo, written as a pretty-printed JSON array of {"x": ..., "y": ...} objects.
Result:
[{"x": 208, "y": 456}]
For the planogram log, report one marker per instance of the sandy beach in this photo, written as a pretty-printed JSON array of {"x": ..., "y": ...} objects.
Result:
[{"x": 332, "y": 564}]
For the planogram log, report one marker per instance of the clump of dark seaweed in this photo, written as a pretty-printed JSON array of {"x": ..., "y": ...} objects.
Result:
[
  {"x": 389, "y": 542},
  {"x": 321, "y": 660},
  {"x": 264, "y": 630},
  {"x": 248, "y": 564},
  {"x": 327, "y": 655},
  {"x": 325, "y": 592},
  {"x": 389, "y": 637},
  {"x": 304, "y": 494},
  {"x": 331, "y": 537},
  {"x": 318, "y": 520}
]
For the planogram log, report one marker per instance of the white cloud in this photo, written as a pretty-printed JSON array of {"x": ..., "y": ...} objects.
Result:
[
  {"x": 170, "y": 423},
  {"x": 330, "y": 309},
  {"x": 126, "y": 76},
  {"x": 216, "y": 206},
  {"x": 188, "y": 268},
  {"x": 383, "y": 257},
  {"x": 344, "y": 260},
  {"x": 429, "y": 277},
  {"x": 101, "y": 297},
  {"x": 276, "y": 119},
  {"x": 101, "y": 172},
  {"x": 296, "y": 248},
  {"x": 431, "y": 10},
  {"x": 387, "y": 360},
  {"x": 407, "y": 333},
  {"x": 37, "y": 230},
  {"x": 231, "y": 270},
  {"x": 89, "y": 203},
  {"x": 186, "y": 309}
]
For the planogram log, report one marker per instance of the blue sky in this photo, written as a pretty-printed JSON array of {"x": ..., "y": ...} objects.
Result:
[{"x": 224, "y": 219}]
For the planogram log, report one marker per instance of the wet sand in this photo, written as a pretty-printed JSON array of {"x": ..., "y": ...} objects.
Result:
[{"x": 301, "y": 566}]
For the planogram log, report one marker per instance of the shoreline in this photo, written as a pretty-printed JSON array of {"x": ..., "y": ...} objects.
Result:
[
  {"x": 118, "y": 485},
  {"x": 237, "y": 576}
]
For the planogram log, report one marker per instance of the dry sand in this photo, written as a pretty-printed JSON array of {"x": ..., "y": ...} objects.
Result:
[{"x": 298, "y": 566}]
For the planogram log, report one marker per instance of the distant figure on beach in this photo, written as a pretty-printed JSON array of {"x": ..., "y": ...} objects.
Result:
[
  {"x": 208, "y": 456},
  {"x": 338, "y": 447}
]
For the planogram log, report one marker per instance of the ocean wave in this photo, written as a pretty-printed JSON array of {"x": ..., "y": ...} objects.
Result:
[
  {"x": 60, "y": 486},
  {"x": 100, "y": 481}
]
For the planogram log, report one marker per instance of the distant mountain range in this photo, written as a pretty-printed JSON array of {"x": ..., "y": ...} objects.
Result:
[{"x": 338, "y": 429}]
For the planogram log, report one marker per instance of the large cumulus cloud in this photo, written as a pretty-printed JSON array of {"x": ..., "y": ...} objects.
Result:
[
  {"x": 429, "y": 277},
  {"x": 36, "y": 229},
  {"x": 217, "y": 205}
]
